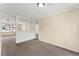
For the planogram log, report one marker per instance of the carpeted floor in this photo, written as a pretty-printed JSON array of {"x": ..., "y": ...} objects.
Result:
[{"x": 32, "y": 48}]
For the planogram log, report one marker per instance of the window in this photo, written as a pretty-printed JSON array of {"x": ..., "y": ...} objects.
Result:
[{"x": 7, "y": 27}]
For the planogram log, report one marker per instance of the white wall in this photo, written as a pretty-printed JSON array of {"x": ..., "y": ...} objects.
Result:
[
  {"x": 24, "y": 36},
  {"x": 27, "y": 31},
  {"x": 61, "y": 30}
]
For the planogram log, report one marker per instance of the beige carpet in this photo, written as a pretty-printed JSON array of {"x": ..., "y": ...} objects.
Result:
[{"x": 32, "y": 48}]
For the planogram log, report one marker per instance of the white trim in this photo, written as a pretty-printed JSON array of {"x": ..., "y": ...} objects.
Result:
[
  {"x": 60, "y": 46},
  {"x": 61, "y": 11},
  {"x": 27, "y": 18}
]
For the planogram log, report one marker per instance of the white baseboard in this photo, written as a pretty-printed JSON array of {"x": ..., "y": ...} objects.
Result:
[{"x": 61, "y": 46}]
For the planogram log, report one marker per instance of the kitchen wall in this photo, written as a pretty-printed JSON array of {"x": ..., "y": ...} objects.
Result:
[
  {"x": 61, "y": 29},
  {"x": 25, "y": 30},
  {"x": 24, "y": 36}
]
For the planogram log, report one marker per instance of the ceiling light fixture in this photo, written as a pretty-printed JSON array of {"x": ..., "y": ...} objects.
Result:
[{"x": 40, "y": 4}]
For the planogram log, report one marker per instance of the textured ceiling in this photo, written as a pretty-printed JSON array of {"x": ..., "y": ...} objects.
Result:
[{"x": 31, "y": 10}]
